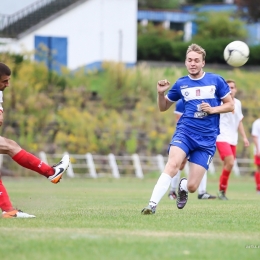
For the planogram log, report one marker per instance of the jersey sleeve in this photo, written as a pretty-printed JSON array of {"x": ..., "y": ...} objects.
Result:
[
  {"x": 255, "y": 127},
  {"x": 1, "y": 101},
  {"x": 240, "y": 113},
  {"x": 222, "y": 88},
  {"x": 174, "y": 93}
]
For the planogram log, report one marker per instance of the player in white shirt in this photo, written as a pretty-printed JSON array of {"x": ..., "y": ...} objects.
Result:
[
  {"x": 230, "y": 124},
  {"x": 256, "y": 139}
]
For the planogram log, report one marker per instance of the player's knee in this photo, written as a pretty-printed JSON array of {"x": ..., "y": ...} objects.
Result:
[
  {"x": 172, "y": 165},
  {"x": 8, "y": 145},
  {"x": 231, "y": 166},
  {"x": 192, "y": 187}
]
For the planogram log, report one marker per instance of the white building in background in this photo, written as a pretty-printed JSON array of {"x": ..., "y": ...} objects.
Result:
[{"x": 86, "y": 33}]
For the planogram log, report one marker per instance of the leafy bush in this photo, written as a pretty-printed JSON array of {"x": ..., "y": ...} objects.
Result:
[
  {"x": 254, "y": 56},
  {"x": 214, "y": 25},
  {"x": 215, "y": 31},
  {"x": 122, "y": 117}
]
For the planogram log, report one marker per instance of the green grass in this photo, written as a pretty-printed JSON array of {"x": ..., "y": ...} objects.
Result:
[{"x": 100, "y": 219}]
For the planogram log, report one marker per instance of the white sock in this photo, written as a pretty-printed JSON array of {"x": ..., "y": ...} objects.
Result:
[
  {"x": 203, "y": 184},
  {"x": 160, "y": 188},
  {"x": 175, "y": 181},
  {"x": 184, "y": 185}
]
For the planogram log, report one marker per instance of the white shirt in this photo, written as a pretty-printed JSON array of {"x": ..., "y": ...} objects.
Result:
[
  {"x": 256, "y": 131},
  {"x": 229, "y": 123}
]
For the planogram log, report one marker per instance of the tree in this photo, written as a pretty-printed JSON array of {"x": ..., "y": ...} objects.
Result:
[
  {"x": 162, "y": 4},
  {"x": 219, "y": 25},
  {"x": 202, "y": 1},
  {"x": 249, "y": 9}
]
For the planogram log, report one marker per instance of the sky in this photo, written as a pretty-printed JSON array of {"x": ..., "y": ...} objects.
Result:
[{"x": 12, "y": 6}]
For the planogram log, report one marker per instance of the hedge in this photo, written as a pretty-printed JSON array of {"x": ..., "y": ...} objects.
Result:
[{"x": 157, "y": 49}]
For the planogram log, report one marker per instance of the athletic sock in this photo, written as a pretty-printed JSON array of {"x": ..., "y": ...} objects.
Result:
[
  {"x": 257, "y": 180},
  {"x": 5, "y": 203},
  {"x": 223, "y": 180},
  {"x": 160, "y": 188},
  {"x": 175, "y": 181},
  {"x": 203, "y": 184},
  {"x": 184, "y": 185},
  {"x": 29, "y": 161}
]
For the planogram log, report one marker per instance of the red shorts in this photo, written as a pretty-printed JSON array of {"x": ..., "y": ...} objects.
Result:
[
  {"x": 257, "y": 160},
  {"x": 226, "y": 149}
]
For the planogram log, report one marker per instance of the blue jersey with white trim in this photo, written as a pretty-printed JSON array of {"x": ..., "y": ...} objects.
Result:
[{"x": 210, "y": 88}]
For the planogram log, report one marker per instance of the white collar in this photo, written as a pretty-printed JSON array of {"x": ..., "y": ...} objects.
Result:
[{"x": 198, "y": 78}]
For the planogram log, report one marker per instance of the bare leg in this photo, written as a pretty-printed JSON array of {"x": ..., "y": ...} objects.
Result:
[
  {"x": 196, "y": 174},
  {"x": 175, "y": 159}
]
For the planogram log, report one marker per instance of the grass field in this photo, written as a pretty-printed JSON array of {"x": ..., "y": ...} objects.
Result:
[{"x": 100, "y": 219}]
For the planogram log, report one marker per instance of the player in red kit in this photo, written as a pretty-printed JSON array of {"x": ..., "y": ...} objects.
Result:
[
  {"x": 230, "y": 124},
  {"x": 22, "y": 157}
]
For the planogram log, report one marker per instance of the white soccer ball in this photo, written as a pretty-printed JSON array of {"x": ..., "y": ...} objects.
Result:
[{"x": 236, "y": 53}]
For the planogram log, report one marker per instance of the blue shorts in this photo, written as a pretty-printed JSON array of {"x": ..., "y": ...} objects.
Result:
[{"x": 199, "y": 149}]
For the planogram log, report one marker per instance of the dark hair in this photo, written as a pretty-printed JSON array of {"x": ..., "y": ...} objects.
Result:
[{"x": 4, "y": 70}]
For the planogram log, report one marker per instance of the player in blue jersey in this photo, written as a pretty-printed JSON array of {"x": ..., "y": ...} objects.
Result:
[
  {"x": 202, "y": 189},
  {"x": 197, "y": 129}
]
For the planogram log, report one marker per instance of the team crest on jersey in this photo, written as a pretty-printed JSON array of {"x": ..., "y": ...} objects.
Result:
[{"x": 186, "y": 93}]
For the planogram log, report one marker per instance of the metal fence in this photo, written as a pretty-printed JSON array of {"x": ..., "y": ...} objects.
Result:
[{"x": 94, "y": 166}]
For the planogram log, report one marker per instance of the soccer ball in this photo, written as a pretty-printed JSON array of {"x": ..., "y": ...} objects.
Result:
[{"x": 236, "y": 53}]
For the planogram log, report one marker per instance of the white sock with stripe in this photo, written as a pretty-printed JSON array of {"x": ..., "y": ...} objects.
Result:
[{"x": 160, "y": 189}]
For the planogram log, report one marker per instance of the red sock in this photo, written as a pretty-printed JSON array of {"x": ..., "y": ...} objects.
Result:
[
  {"x": 5, "y": 203},
  {"x": 223, "y": 180},
  {"x": 29, "y": 161},
  {"x": 257, "y": 180}
]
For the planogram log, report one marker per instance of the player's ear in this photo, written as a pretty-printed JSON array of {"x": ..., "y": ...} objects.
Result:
[{"x": 203, "y": 63}]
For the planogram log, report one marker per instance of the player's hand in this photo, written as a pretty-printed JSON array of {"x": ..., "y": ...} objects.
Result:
[
  {"x": 246, "y": 142},
  {"x": 205, "y": 107},
  {"x": 162, "y": 86}
]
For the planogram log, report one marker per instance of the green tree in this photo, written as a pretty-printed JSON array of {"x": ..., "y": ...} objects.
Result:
[
  {"x": 201, "y": 1},
  {"x": 162, "y": 4},
  {"x": 212, "y": 25}
]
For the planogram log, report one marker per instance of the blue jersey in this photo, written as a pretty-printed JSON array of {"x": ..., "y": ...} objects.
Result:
[
  {"x": 210, "y": 88},
  {"x": 179, "y": 107}
]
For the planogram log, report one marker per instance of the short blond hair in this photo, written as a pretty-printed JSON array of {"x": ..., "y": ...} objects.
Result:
[
  {"x": 231, "y": 81},
  {"x": 196, "y": 48}
]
